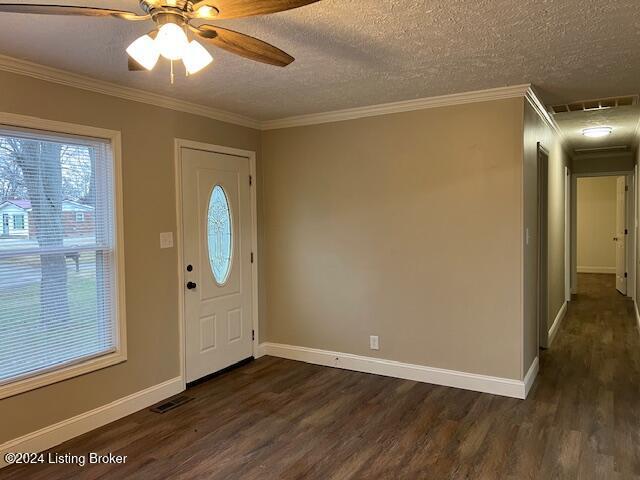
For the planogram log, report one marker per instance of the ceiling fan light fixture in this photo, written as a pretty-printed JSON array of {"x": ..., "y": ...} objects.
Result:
[
  {"x": 196, "y": 57},
  {"x": 144, "y": 51},
  {"x": 171, "y": 41},
  {"x": 172, "y": 20},
  {"x": 597, "y": 132}
]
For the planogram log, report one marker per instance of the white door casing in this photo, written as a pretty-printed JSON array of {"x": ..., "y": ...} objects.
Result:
[
  {"x": 567, "y": 234},
  {"x": 630, "y": 242},
  {"x": 217, "y": 313},
  {"x": 620, "y": 235}
]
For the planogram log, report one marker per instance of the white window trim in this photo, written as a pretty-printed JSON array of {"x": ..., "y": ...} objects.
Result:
[{"x": 120, "y": 353}]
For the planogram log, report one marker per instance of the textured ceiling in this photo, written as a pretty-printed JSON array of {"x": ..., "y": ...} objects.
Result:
[
  {"x": 623, "y": 120},
  {"x": 352, "y": 53}
]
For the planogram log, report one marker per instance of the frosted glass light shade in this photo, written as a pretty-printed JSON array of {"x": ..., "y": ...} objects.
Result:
[
  {"x": 597, "y": 132},
  {"x": 206, "y": 11},
  {"x": 144, "y": 51},
  {"x": 196, "y": 57},
  {"x": 171, "y": 41}
]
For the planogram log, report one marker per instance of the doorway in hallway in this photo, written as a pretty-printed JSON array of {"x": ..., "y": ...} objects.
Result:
[{"x": 603, "y": 240}]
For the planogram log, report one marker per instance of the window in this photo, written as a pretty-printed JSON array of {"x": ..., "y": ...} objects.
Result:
[
  {"x": 18, "y": 222},
  {"x": 79, "y": 217},
  {"x": 219, "y": 235},
  {"x": 59, "y": 286}
]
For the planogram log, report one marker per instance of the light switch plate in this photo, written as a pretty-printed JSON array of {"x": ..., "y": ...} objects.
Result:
[
  {"x": 374, "y": 342},
  {"x": 166, "y": 240}
]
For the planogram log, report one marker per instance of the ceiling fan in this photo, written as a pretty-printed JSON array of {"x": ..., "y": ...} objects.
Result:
[{"x": 173, "y": 20}]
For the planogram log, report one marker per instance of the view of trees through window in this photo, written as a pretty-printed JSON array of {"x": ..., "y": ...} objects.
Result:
[{"x": 54, "y": 253}]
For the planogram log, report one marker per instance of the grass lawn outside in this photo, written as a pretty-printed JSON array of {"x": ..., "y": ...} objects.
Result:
[{"x": 28, "y": 344}]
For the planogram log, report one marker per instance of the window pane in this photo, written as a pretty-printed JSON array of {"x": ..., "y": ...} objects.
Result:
[
  {"x": 18, "y": 222},
  {"x": 42, "y": 331},
  {"x": 56, "y": 262},
  {"x": 219, "y": 235}
]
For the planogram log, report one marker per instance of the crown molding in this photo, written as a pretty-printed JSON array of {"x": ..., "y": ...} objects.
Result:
[
  {"x": 399, "y": 107},
  {"x": 62, "y": 77},
  {"x": 541, "y": 110}
]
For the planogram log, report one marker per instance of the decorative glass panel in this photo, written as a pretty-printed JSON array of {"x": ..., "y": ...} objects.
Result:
[{"x": 219, "y": 235}]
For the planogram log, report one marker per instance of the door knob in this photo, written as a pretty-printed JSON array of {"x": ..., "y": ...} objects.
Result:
[{"x": 191, "y": 285}]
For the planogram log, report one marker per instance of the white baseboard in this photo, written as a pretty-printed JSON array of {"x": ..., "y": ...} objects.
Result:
[
  {"x": 531, "y": 375},
  {"x": 259, "y": 351},
  {"x": 60, "y": 432},
  {"x": 588, "y": 269},
  {"x": 390, "y": 368},
  {"x": 553, "y": 331}
]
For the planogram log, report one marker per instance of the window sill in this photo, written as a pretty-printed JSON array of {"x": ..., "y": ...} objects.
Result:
[{"x": 65, "y": 373}]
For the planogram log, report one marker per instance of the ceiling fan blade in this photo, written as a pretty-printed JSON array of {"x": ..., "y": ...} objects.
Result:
[
  {"x": 247, "y": 8},
  {"x": 69, "y": 10},
  {"x": 243, "y": 45}
]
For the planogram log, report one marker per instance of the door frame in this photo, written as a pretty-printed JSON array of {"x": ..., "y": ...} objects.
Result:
[
  {"x": 542, "y": 254},
  {"x": 630, "y": 246},
  {"x": 630, "y": 215},
  {"x": 567, "y": 233},
  {"x": 179, "y": 144}
]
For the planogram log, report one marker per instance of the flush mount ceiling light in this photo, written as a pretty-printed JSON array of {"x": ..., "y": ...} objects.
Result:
[
  {"x": 597, "y": 132},
  {"x": 170, "y": 39}
]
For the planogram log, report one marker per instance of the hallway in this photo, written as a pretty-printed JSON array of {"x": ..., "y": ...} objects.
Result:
[
  {"x": 581, "y": 420},
  {"x": 590, "y": 385}
]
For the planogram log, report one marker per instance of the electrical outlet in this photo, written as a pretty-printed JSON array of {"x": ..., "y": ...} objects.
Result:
[{"x": 374, "y": 343}]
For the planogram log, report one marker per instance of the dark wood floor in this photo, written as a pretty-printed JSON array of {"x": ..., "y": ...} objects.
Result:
[{"x": 278, "y": 419}]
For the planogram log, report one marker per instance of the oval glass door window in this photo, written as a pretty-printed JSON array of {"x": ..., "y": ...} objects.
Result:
[{"x": 219, "y": 233}]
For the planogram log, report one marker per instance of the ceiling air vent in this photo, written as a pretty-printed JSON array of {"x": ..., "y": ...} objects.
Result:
[{"x": 599, "y": 104}]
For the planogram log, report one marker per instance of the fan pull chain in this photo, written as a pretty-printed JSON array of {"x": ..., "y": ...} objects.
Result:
[{"x": 172, "y": 75}]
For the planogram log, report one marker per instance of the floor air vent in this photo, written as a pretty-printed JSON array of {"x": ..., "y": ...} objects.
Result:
[{"x": 170, "y": 404}]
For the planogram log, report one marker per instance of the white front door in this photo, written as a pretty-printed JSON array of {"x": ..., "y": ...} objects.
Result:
[
  {"x": 216, "y": 212},
  {"x": 621, "y": 237}
]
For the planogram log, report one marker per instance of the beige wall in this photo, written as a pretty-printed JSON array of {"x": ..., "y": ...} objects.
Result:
[
  {"x": 405, "y": 226},
  {"x": 149, "y": 208},
  {"x": 536, "y": 130},
  {"x": 558, "y": 160},
  {"x": 596, "y": 219},
  {"x": 602, "y": 163}
]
